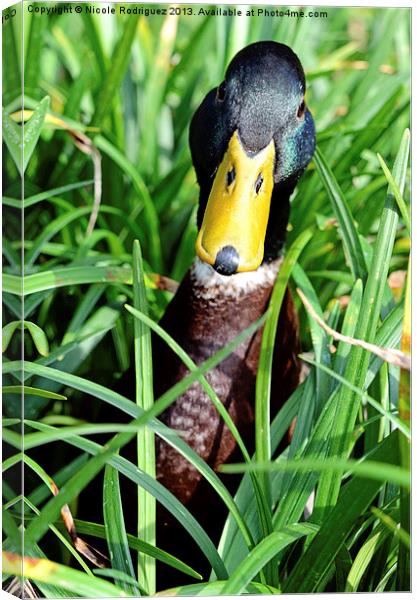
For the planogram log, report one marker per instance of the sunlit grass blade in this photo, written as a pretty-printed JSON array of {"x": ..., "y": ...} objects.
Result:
[
  {"x": 364, "y": 557},
  {"x": 364, "y": 468},
  {"x": 269, "y": 547},
  {"x": 357, "y": 367},
  {"x": 348, "y": 328},
  {"x": 37, "y": 334},
  {"x": 64, "y": 276},
  {"x": 145, "y": 438},
  {"x": 26, "y": 389},
  {"x": 118, "y": 66},
  {"x": 405, "y": 213},
  {"x": 350, "y": 238},
  {"x": 264, "y": 380},
  {"x": 318, "y": 336},
  {"x": 389, "y": 523},
  {"x": 46, "y": 571},
  {"x": 355, "y": 499},
  {"x": 214, "y": 588}
]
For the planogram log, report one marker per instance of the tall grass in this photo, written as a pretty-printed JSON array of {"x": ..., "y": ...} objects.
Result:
[{"x": 107, "y": 176}]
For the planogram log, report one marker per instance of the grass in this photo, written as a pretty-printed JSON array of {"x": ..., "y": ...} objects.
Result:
[{"x": 115, "y": 95}]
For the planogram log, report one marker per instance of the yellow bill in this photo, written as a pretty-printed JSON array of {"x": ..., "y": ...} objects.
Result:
[{"x": 237, "y": 211}]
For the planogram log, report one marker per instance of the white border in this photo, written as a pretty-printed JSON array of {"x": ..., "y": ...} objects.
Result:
[{"x": 331, "y": 4}]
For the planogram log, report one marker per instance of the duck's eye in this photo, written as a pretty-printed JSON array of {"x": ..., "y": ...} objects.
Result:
[
  {"x": 258, "y": 183},
  {"x": 221, "y": 92},
  {"x": 231, "y": 176},
  {"x": 301, "y": 109}
]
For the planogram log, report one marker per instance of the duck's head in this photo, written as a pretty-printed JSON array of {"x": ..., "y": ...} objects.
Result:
[{"x": 250, "y": 139}]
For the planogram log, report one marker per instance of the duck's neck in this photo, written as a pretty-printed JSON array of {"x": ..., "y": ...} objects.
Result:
[
  {"x": 216, "y": 308},
  {"x": 209, "y": 310},
  {"x": 210, "y": 285}
]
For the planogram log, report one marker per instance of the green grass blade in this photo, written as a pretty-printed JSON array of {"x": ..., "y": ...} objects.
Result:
[
  {"x": 33, "y": 55},
  {"x": 366, "y": 398},
  {"x": 12, "y": 77},
  {"x": 145, "y": 437},
  {"x": 350, "y": 238},
  {"x": 68, "y": 545},
  {"x": 26, "y": 389},
  {"x": 64, "y": 276},
  {"x": 32, "y": 130},
  {"x": 41, "y": 473},
  {"x": 405, "y": 213},
  {"x": 348, "y": 328},
  {"x": 139, "y": 545},
  {"x": 13, "y": 138},
  {"x": 51, "y": 230},
  {"x": 362, "y": 468},
  {"x": 94, "y": 37},
  {"x": 364, "y": 557},
  {"x": 164, "y": 496},
  {"x": 115, "y": 530},
  {"x": 127, "y": 167},
  {"x": 356, "y": 370},
  {"x": 114, "y": 76},
  {"x": 318, "y": 336},
  {"x": 355, "y": 499},
  {"x": 231, "y": 546},
  {"x": 42, "y": 492},
  {"x": 46, "y": 571},
  {"x": 264, "y": 380},
  {"x": 269, "y": 547},
  {"x": 32, "y": 200},
  {"x": 89, "y": 301},
  {"x": 392, "y": 526},
  {"x": 214, "y": 588},
  {"x": 38, "y": 335}
]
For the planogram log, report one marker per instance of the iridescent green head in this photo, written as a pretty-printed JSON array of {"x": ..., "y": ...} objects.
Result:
[{"x": 251, "y": 139}]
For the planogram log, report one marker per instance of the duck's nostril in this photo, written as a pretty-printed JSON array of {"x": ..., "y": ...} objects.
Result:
[{"x": 227, "y": 261}]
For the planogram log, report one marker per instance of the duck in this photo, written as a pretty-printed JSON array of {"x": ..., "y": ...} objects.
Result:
[{"x": 251, "y": 139}]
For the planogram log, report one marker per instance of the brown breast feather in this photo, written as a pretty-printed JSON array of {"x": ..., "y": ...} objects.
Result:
[{"x": 203, "y": 326}]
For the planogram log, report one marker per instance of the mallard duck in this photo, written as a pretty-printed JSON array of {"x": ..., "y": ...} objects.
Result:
[{"x": 250, "y": 139}]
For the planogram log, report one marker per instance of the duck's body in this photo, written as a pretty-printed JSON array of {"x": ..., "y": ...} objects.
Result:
[{"x": 208, "y": 311}]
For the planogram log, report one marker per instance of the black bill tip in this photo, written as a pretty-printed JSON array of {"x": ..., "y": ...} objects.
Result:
[{"x": 227, "y": 261}]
